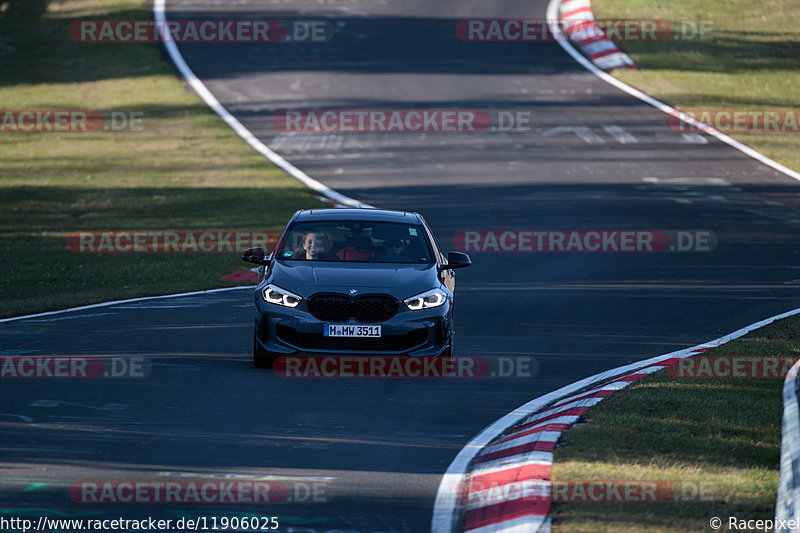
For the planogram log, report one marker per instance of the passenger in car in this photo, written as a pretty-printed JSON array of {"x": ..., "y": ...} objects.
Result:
[{"x": 356, "y": 249}]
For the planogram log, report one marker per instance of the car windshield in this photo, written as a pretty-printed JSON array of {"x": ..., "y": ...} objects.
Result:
[{"x": 357, "y": 241}]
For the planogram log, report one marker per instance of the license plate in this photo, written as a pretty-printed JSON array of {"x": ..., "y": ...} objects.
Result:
[{"x": 336, "y": 330}]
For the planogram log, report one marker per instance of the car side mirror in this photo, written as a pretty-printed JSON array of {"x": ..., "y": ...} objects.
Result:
[
  {"x": 456, "y": 260},
  {"x": 256, "y": 255}
]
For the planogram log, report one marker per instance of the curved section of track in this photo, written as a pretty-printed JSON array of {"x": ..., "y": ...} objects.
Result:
[{"x": 594, "y": 159}]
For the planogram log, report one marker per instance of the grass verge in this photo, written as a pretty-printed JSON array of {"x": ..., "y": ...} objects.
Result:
[
  {"x": 185, "y": 169},
  {"x": 715, "y": 441},
  {"x": 747, "y": 61}
]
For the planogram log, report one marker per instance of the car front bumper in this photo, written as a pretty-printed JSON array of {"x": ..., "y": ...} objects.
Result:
[{"x": 294, "y": 331}]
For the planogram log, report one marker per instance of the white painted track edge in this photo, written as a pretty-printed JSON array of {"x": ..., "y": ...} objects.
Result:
[
  {"x": 129, "y": 300},
  {"x": 211, "y": 101},
  {"x": 244, "y": 133},
  {"x": 446, "y": 503},
  {"x": 553, "y": 17}
]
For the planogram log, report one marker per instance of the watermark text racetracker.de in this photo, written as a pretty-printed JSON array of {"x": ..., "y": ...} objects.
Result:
[
  {"x": 736, "y": 120},
  {"x": 69, "y": 121},
  {"x": 167, "y": 241},
  {"x": 374, "y": 366},
  {"x": 599, "y": 240},
  {"x": 200, "y": 31},
  {"x": 422, "y": 120},
  {"x": 617, "y": 30},
  {"x": 73, "y": 367},
  {"x": 201, "y": 491},
  {"x": 731, "y": 367},
  {"x": 585, "y": 491}
]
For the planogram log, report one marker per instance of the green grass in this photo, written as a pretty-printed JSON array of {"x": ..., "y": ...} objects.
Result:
[
  {"x": 716, "y": 441},
  {"x": 750, "y": 61},
  {"x": 185, "y": 170}
]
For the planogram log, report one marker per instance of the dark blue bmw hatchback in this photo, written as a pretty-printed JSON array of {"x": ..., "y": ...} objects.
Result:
[{"x": 354, "y": 281}]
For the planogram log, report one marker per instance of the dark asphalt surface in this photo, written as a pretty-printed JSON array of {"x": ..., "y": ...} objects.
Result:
[{"x": 376, "y": 448}]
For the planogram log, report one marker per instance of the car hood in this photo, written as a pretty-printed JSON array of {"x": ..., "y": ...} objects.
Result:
[{"x": 399, "y": 280}]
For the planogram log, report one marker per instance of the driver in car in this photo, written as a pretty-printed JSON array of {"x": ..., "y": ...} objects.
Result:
[{"x": 357, "y": 249}]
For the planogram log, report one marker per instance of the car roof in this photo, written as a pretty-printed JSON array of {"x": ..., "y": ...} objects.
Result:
[{"x": 384, "y": 215}]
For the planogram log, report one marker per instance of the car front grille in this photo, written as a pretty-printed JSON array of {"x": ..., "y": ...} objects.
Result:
[{"x": 340, "y": 308}]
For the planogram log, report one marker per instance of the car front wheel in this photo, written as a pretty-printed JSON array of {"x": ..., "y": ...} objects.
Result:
[{"x": 261, "y": 357}]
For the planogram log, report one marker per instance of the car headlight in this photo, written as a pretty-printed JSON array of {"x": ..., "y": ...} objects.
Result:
[
  {"x": 426, "y": 300},
  {"x": 276, "y": 295}
]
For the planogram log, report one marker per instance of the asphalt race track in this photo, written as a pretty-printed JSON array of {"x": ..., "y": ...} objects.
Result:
[{"x": 366, "y": 455}]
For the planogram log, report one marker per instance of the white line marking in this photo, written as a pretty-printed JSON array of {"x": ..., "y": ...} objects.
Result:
[
  {"x": 599, "y": 46},
  {"x": 211, "y": 101},
  {"x": 234, "y": 475},
  {"x": 694, "y": 138},
  {"x": 21, "y": 417},
  {"x": 612, "y": 61},
  {"x": 526, "y": 524},
  {"x": 552, "y": 20},
  {"x": 446, "y": 504},
  {"x": 584, "y": 132},
  {"x": 542, "y": 436},
  {"x": 584, "y": 403},
  {"x": 567, "y": 419},
  {"x": 688, "y": 180},
  {"x": 58, "y": 403},
  {"x": 90, "y": 315},
  {"x": 154, "y": 306},
  {"x": 620, "y": 134},
  {"x": 786, "y": 504},
  {"x": 117, "y": 302},
  {"x": 572, "y": 5},
  {"x": 513, "y": 462}
]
